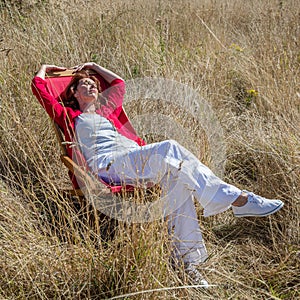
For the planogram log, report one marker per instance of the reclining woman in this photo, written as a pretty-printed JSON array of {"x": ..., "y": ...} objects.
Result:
[{"x": 120, "y": 159}]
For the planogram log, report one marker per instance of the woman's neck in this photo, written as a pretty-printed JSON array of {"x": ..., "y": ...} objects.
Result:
[{"x": 89, "y": 108}]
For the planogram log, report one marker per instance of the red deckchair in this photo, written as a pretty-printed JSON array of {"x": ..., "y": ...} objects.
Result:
[{"x": 78, "y": 171}]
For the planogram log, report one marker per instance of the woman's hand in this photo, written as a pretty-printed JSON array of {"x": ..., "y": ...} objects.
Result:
[{"x": 88, "y": 65}]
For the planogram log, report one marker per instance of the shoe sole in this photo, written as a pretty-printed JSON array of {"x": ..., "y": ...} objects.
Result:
[{"x": 260, "y": 215}]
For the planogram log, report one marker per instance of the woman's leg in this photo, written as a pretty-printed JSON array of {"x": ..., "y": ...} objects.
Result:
[
  {"x": 187, "y": 243},
  {"x": 179, "y": 173},
  {"x": 188, "y": 176}
]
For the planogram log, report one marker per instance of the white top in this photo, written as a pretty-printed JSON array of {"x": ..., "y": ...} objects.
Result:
[{"x": 99, "y": 141}]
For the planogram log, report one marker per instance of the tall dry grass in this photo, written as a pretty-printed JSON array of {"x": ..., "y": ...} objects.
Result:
[{"x": 242, "y": 56}]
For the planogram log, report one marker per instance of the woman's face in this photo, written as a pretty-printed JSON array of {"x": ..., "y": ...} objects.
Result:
[{"x": 86, "y": 92}]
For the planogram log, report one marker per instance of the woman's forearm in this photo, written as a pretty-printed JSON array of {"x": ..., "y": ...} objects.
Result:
[
  {"x": 108, "y": 75},
  {"x": 46, "y": 68},
  {"x": 41, "y": 72}
]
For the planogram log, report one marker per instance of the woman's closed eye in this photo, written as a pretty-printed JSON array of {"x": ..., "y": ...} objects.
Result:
[{"x": 87, "y": 82}]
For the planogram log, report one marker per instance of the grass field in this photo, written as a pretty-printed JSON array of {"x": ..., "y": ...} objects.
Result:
[{"x": 242, "y": 57}]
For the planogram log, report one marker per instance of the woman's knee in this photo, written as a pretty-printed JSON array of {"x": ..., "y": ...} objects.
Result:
[{"x": 172, "y": 143}]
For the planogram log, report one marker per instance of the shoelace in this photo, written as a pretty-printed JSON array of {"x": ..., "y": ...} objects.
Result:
[{"x": 254, "y": 198}]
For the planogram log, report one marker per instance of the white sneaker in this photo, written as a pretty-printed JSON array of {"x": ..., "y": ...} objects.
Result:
[
  {"x": 257, "y": 206},
  {"x": 194, "y": 276}
]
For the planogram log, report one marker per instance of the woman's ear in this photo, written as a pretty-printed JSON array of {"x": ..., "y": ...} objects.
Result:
[{"x": 74, "y": 92}]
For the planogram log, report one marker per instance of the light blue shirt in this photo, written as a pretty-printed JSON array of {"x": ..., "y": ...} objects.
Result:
[{"x": 99, "y": 141}]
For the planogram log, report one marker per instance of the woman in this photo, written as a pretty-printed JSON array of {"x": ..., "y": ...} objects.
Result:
[{"x": 124, "y": 159}]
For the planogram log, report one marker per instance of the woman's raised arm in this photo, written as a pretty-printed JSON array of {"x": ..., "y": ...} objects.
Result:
[
  {"x": 54, "y": 109},
  {"x": 108, "y": 75},
  {"x": 46, "y": 68}
]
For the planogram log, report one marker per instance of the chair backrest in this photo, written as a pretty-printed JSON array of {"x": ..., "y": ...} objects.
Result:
[{"x": 58, "y": 81}]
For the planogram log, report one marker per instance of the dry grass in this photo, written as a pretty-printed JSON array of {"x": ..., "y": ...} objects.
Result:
[{"x": 242, "y": 56}]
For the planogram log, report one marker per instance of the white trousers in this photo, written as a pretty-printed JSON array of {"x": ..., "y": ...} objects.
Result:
[{"x": 182, "y": 177}]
